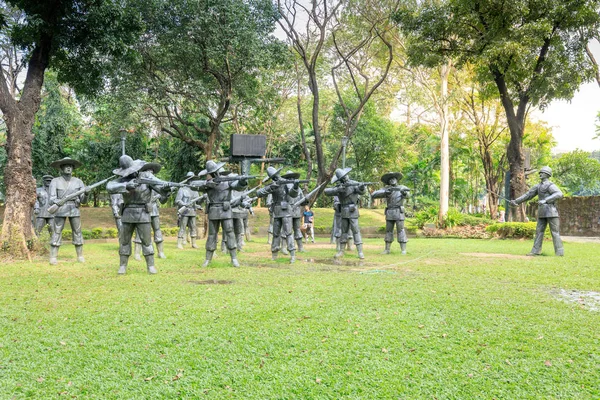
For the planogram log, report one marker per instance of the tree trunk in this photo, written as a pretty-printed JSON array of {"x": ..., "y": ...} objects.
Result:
[
  {"x": 444, "y": 145},
  {"x": 314, "y": 88},
  {"x": 19, "y": 116},
  {"x": 518, "y": 184},
  {"x": 17, "y": 228}
]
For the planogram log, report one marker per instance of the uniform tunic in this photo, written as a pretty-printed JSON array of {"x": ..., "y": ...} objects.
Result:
[
  {"x": 394, "y": 212},
  {"x": 59, "y": 189}
]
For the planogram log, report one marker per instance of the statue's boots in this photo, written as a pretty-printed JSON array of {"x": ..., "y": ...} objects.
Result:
[
  {"x": 403, "y": 247},
  {"x": 292, "y": 256},
  {"x": 209, "y": 255},
  {"x": 560, "y": 252},
  {"x": 53, "y": 255},
  {"x": 388, "y": 245},
  {"x": 268, "y": 238},
  {"x": 349, "y": 245},
  {"x": 274, "y": 255},
  {"x": 194, "y": 245},
  {"x": 150, "y": 264},
  {"x": 79, "y": 251},
  {"x": 359, "y": 249},
  {"x": 137, "y": 251},
  {"x": 180, "y": 243},
  {"x": 300, "y": 246},
  {"x": 284, "y": 250},
  {"x": 123, "y": 264},
  {"x": 339, "y": 246},
  {"x": 160, "y": 248},
  {"x": 234, "y": 259},
  {"x": 223, "y": 246}
]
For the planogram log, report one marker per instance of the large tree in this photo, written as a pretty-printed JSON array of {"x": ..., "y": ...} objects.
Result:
[
  {"x": 200, "y": 65},
  {"x": 532, "y": 51},
  {"x": 77, "y": 38}
]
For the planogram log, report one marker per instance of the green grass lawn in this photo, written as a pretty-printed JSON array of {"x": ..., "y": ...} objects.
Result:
[{"x": 450, "y": 320}]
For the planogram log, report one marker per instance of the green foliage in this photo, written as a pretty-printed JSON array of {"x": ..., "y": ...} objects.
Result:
[
  {"x": 513, "y": 230},
  {"x": 453, "y": 219},
  {"x": 577, "y": 172},
  {"x": 506, "y": 39}
]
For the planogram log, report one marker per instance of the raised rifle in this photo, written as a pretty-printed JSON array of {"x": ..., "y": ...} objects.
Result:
[
  {"x": 359, "y": 183},
  {"x": 308, "y": 197},
  {"x": 54, "y": 207},
  {"x": 282, "y": 181},
  {"x": 220, "y": 179},
  {"x": 158, "y": 182},
  {"x": 196, "y": 199},
  {"x": 238, "y": 200}
]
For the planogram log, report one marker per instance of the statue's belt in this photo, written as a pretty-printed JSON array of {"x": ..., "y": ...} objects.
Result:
[
  {"x": 135, "y": 205},
  {"x": 393, "y": 207},
  {"x": 348, "y": 204}
]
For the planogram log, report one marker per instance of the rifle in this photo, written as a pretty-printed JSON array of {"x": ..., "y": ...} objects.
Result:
[
  {"x": 500, "y": 197},
  {"x": 54, "y": 207},
  {"x": 196, "y": 199},
  {"x": 397, "y": 189},
  {"x": 309, "y": 195},
  {"x": 282, "y": 181},
  {"x": 220, "y": 179},
  {"x": 349, "y": 184},
  {"x": 158, "y": 182},
  {"x": 238, "y": 200}
]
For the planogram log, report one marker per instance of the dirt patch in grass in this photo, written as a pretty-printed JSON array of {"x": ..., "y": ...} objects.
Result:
[
  {"x": 494, "y": 255},
  {"x": 211, "y": 282}
]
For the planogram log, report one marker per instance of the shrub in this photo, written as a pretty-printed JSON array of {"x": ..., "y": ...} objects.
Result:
[
  {"x": 97, "y": 233},
  {"x": 112, "y": 233},
  {"x": 507, "y": 230}
]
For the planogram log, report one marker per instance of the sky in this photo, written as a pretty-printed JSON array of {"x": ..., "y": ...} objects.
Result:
[{"x": 574, "y": 123}]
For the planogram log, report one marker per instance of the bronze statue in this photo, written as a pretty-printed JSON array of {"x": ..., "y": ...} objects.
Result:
[
  {"x": 137, "y": 195},
  {"x": 395, "y": 196},
  {"x": 282, "y": 191},
  {"x": 40, "y": 209},
  {"x": 219, "y": 190},
  {"x": 348, "y": 193},
  {"x": 548, "y": 193},
  {"x": 66, "y": 194}
]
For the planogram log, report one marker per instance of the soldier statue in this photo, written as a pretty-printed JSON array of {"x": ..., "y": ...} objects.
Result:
[
  {"x": 240, "y": 213},
  {"x": 297, "y": 210},
  {"x": 282, "y": 191},
  {"x": 116, "y": 205},
  {"x": 136, "y": 209},
  {"x": 40, "y": 209},
  {"x": 219, "y": 191},
  {"x": 348, "y": 193},
  {"x": 149, "y": 172},
  {"x": 186, "y": 201},
  {"x": 395, "y": 196},
  {"x": 60, "y": 190},
  {"x": 336, "y": 228},
  {"x": 548, "y": 193}
]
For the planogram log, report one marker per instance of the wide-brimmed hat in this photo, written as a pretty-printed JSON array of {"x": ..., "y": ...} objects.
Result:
[
  {"x": 211, "y": 167},
  {"x": 67, "y": 160},
  {"x": 291, "y": 175},
  {"x": 151, "y": 166},
  {"x": 128, "y": 166},
  {"x": 340, "y": 173},
  {"x": 387, "y": 176},
  {"x": 271, "y": 172},
  {"x": 47, "y": 178}
]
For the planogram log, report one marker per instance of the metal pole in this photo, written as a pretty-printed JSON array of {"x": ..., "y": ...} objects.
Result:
[
  {"x": 344, "y": 143},
  {"x": 123, "y": 137}
]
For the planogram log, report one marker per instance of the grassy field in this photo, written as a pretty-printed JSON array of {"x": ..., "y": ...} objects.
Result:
[{"x": 453, "y": 319}]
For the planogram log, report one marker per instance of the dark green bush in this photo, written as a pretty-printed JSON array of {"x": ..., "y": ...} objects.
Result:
[{"x": 509, "y": 230}]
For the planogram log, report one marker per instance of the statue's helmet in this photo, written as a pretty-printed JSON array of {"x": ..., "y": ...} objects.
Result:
[
  {"x": 212, "y": 167},
  {"x": 546, "y": 170}
]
